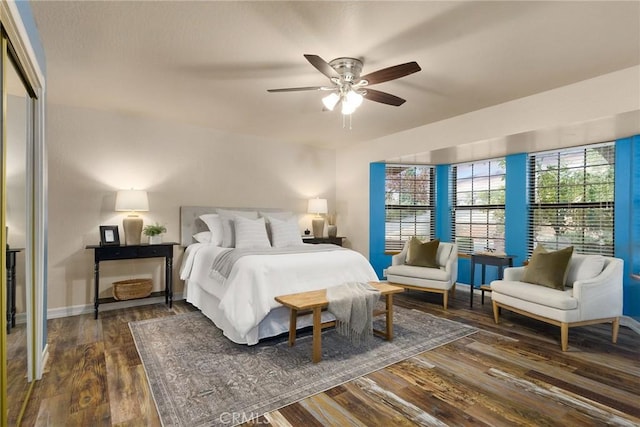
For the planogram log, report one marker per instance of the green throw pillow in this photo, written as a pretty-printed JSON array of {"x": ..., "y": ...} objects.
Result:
[
  {"x": 548, "y": 268},
  {"x": 422, "y": 254}
]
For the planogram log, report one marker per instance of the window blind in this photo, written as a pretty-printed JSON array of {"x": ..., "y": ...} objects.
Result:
[
  {"x": 409, "y": 204},
  {"x": 572, "y": 199},
  {"x": 478, "y": 190}
]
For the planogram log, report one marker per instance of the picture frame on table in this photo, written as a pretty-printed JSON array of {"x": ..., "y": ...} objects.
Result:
[{"x": 109, "y": 235}]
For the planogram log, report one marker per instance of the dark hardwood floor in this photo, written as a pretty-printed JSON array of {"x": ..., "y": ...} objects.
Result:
[{"x": 513, "y": 373}]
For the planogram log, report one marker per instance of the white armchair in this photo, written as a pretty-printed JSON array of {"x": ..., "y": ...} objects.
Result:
[
  {"x": 439, "y": 280},
  {"x": 593, "y": 294}
]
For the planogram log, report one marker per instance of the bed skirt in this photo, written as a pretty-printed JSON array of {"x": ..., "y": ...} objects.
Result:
[{"x": 274, "y": 324}]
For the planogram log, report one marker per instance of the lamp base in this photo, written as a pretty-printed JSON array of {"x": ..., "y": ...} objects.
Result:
[
  {"x": 318, "y": 227},
  {"x": 132, "y": 225}
]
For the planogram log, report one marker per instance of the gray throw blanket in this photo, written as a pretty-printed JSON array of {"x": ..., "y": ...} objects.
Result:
[
  {"x": 224, "y": 261},
  {"x": 352, "y": 304}
]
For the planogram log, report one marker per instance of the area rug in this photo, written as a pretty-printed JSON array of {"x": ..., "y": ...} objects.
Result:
[{"x": 200, "y": 378}]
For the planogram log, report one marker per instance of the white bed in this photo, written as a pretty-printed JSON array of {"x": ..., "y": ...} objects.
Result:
[{"x": 243, "y": 305}]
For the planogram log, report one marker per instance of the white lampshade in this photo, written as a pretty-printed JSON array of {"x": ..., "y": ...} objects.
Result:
[
  {"x": 351, "y": 101},
  {"x": 132, "y": 200},
  {"x": 330, "y": 101},
  {"x": 318, "y": 206}
]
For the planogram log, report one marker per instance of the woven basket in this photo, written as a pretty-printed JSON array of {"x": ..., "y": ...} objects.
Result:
[{"x": 132, "y": 288}]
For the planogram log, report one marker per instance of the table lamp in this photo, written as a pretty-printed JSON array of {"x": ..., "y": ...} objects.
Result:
[
  {"x": 318, "y": 206},
  {"x": 132, "y": 201}
]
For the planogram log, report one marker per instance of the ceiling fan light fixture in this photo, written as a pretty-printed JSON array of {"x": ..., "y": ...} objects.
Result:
[
  {"x": 330, "y": 101},
  {"x": 351, "y": 101}
]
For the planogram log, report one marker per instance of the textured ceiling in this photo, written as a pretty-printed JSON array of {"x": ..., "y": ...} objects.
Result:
[{"x": 210, "y": 63}]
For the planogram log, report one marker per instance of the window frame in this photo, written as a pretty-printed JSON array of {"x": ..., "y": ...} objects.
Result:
[
  {"x": 396, "y": 243},
  {"x": 468, "y": 246},
  {"x": 585, "y": 208}
]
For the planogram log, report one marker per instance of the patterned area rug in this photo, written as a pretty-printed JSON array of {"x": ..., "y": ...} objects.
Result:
[{"x": 200, "y": 378}]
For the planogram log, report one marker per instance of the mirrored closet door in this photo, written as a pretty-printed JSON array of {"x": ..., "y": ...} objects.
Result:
[{"x": 17, "y": 208}]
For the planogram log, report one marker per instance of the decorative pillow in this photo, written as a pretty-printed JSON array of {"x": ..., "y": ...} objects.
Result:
[
  {"x": 422, "y": 254},
  {"x": 214, "y": 223},
  {"x": 284, "y": 233},
  {"x": 227, "y": 217},
  {"x": 548, "y": 268},
  {"x": 251, "y": 233},
  {"x": 583, "y": 267},
  {"x": 203, "y": 237}
]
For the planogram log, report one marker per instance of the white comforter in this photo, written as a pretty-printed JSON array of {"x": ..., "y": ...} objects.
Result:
[{"x": 247, "y": 295}]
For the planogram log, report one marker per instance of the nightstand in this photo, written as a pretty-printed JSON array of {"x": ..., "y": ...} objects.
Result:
[
  {"x": 119, "y": 252},
  {"x": 316, "y": 240}
]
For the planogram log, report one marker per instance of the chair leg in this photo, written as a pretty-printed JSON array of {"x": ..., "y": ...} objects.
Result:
[
  {"x": 564, "y": 336},
  {"x": 615, "y": 327},
  {"x": 496, "y": 312},
  {"x": 445, "y": 297},
  {"x": 453, "y": 290}
]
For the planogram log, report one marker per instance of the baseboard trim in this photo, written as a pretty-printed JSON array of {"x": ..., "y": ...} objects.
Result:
[{"x": 76, "y": 310}]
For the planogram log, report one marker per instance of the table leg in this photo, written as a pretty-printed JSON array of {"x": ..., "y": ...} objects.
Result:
[
  {"x": 389, "y": 317},
  {"x": 293, "y": 325},
  {"x": 168, "y": 282},
  {"x": 473, "y": 273},
  {"x": 96, "y": 281},
  {"x": 317, "y": 335}
]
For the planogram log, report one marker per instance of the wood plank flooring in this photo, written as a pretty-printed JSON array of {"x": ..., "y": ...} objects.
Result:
[{"x": 513, "y": 373}]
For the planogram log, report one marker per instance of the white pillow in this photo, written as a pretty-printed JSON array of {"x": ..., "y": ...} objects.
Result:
[
  {"x": 583, "y": 267},
  {"x": 227, "y": 217},
  {"x": 203, "y": 237},
  {"x": 285, "y": 233},
  {"x": 251, "y": 233},
  {"x": 214, "y": 223}
]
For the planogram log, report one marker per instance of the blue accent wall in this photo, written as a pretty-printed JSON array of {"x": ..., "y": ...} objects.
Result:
[
  {"x": 443, "y": 204},
  {"x": 516, "y": 207},
  {"x": 627, "y": 224},
  {"x": 377, "y": 257}
]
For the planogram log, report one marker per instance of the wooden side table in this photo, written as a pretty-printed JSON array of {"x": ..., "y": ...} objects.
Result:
[
  {"x": 11, "y": 287},
  {"x": 500, "y": 261},
  {"x": 120, "y": 252}
]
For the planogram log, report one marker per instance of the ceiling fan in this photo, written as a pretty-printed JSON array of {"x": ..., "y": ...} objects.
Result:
[{"x": 348, "y": 88}]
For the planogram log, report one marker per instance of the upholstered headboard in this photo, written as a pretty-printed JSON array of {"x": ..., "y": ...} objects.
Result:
[{"x": 190, "y": 222}]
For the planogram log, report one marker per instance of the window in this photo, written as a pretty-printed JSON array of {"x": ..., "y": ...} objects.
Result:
[
  {"x": 409, "y": 204},
  {"x": 572, "y": 199},
  {"x": 478, "y": 200}
]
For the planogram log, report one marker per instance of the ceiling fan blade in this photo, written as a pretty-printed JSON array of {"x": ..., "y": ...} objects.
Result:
[
  {"x": 296, "y": 89},
  {"x": 322, "y": 66},
  {"x": 391, "y": 73},
  {"x": 383, "y": 97}
]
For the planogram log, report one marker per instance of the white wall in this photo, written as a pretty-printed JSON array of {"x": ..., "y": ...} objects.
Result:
[
  {"x": 92, "y": 154},
  {"x": 585, "y": 112}
]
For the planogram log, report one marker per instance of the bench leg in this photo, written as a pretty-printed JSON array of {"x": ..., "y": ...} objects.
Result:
[
  {"x": 293, "y": 325},
  {"x": 317, "y": 335},
  {"x": 389, "y": 317}
]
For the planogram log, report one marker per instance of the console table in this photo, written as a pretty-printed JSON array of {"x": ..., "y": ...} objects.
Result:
[
  {"x": 500, "y": 261},
  {"x": 120, "y": 252},
  {"x": 11, "y": 287}
]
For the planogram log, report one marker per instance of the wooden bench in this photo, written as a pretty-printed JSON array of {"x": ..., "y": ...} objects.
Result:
[{"x": 316, "y": 301}]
